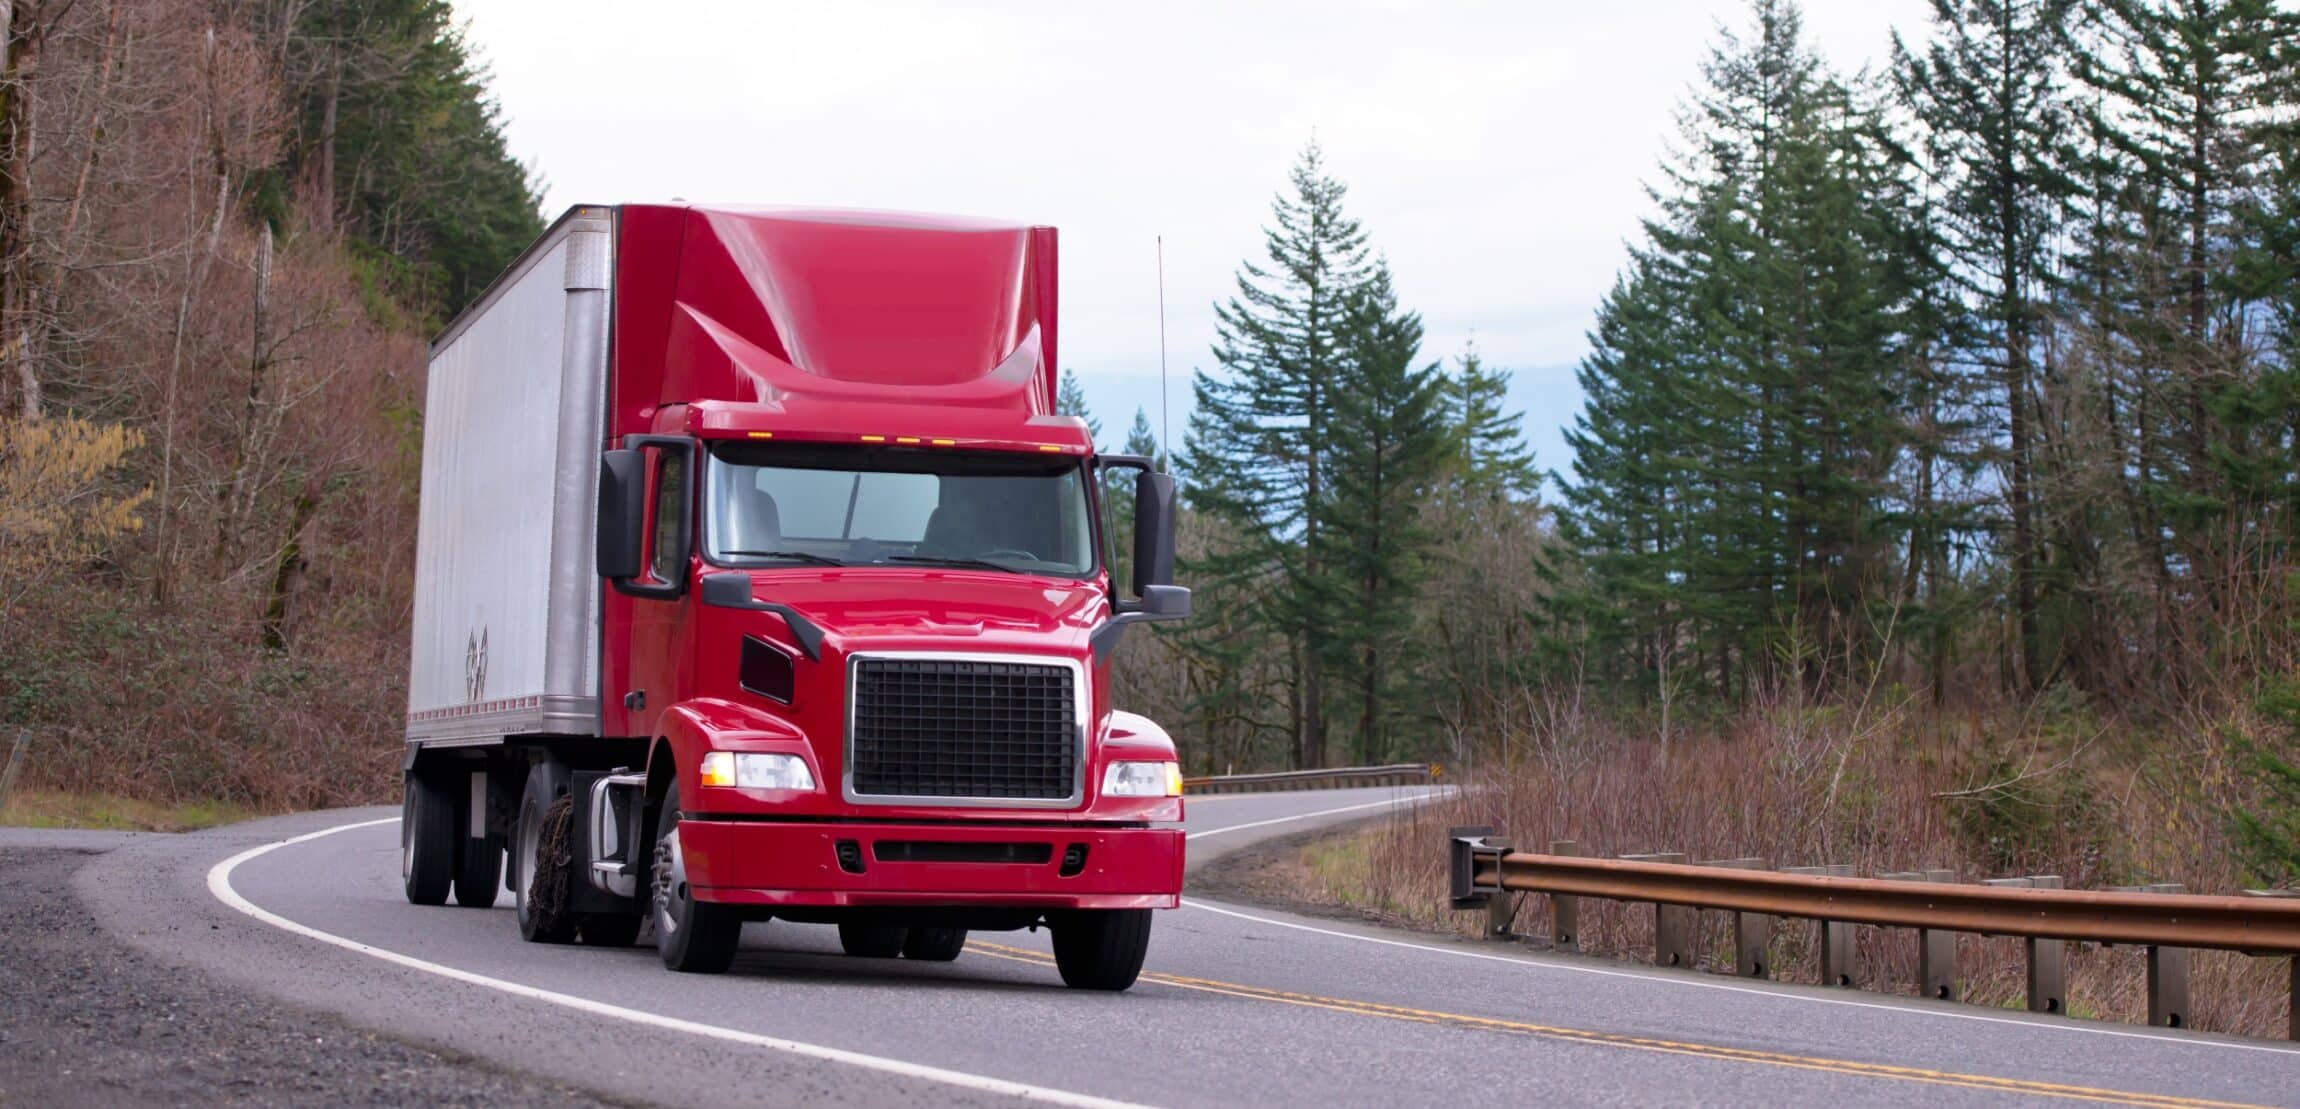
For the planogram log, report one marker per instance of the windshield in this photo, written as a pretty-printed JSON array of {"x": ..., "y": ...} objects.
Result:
[{"x": 864, "y": 506}]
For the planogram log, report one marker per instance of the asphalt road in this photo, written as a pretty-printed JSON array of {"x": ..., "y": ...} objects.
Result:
[{"x": 1235, "y": 1006}]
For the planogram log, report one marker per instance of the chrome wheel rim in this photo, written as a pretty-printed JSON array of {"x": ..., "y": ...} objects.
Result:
[{"x": 669, "y": 881}]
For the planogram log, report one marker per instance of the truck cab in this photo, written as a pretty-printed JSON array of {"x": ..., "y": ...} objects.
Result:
[{"x": 844, "y": 582}]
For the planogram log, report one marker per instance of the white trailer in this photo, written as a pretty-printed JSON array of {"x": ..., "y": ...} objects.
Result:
[{"x": 506, "y": 619}]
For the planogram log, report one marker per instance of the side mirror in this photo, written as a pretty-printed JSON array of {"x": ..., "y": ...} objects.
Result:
[
  {"x": 622, "y": 514},
  {"x": 1153, "y": 534},
  {"x": 642, "y": 555},
  {"x": 1165, "y": 602}
]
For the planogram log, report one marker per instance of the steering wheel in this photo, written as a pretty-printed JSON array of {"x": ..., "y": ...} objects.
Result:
[{"x": 1017, "y": 551}]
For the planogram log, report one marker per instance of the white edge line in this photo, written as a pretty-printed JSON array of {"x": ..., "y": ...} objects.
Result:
[
  {"x": 220, "y": 884},
  {"x": 1402, "y": 802},
  {"x": 2069, "y": 1025}
]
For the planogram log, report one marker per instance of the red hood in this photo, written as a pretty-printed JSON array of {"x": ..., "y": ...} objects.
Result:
[{"x": 872, "y": 607}]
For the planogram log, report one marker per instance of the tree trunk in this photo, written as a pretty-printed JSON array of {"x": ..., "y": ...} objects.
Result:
[{"x": 22, "y": 32}]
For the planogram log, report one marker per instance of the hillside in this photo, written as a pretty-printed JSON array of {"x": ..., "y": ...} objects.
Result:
[{"x": 225, "y": 234}]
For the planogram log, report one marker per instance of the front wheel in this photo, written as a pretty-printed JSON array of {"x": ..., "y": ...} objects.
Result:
[
  {"x": 692, "y": 936},
  {"x": 1100, "y": 949}
]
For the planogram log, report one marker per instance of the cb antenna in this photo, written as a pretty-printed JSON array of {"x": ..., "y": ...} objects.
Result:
[{"x": 1165, "y": 422}]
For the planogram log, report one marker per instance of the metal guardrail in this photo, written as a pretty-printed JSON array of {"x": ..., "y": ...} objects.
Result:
[
  {"x": 1484, "y": 870},
  {"x": 1400, "y": 774}
]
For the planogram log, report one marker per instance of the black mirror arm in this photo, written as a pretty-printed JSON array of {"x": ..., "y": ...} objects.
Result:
[
  {"x": 733, "y": 590},
  {"x": 1166, "y": 602}
]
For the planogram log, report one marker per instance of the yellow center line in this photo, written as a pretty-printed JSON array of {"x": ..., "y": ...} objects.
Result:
[{"x": 1643, "y": 1043}]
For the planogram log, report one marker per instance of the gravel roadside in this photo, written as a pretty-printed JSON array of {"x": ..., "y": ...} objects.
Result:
[{"x": 84, "y": 1021}]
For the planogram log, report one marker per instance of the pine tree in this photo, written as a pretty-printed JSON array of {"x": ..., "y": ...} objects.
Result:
[
  {"x": 1118, "y": 499},
  {"x": 1745, "y": 387},
  {"x": 2192, "y": 97},
  {"x": 1142, "y": 442},
  {"x": 395, "y": 127},
  {"x": 1390, "y": 448},
  {"x": 1070, "y": 400},
  {"x": 1493, "y": 460},
  {"x": 1989, "y": 93},
  {"x": 1257, "y": 441}
]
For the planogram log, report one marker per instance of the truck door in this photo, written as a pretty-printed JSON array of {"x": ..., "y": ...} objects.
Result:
[{"x": 660, "y": 670}]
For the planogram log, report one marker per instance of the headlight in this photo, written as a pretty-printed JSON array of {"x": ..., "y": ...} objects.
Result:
[
  {"x": 1142, "y": 779},
  {"x": 750, "y": 770}
]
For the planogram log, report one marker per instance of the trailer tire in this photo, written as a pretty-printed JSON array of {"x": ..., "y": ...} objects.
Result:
[
  {"x": 694, "y": 937},
  {"x": 934, "y": 945},
  {"x": 872, "y": 941},
  {"x": 1100, "y": 949},
  {"x": 479, "y": 874},
  {"x": 426, "y": 839},
  {"x": 539, "y": 896},
  {"x": 608, "y": 929}
]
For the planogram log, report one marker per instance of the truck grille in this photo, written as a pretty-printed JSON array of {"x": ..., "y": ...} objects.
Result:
[{"x": 963, "y": 728}]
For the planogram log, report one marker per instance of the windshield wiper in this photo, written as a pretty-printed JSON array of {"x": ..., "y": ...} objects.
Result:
[
  {"x": 799, "y": 556},
  {"x": 939, "y": 560}
]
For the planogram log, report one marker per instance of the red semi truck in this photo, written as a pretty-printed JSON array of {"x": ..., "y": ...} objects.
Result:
[{"x": 758, "y": 578}]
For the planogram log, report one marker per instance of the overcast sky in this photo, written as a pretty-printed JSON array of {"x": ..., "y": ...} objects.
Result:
[{"x": 1495, "y": 152}]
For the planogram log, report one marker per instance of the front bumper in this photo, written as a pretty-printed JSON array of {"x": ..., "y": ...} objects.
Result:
[{"x": 796, "y": 863}]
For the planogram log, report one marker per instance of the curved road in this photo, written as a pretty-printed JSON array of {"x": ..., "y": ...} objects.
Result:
[{"x": 1235, "y": 1005}]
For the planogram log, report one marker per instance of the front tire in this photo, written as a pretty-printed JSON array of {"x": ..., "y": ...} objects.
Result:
[
  {"x": 694, "y": 937},
  {"x": 1100, "y": 949},
  {"x": 539, "y": 895},
  {"x": 426, "y": 839},
  {"x": 872, "y": 941},
  {"x": 934, "y": 945}
]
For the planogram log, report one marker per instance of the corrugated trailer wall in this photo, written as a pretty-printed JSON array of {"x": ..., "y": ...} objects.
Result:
[{"x": 506, "y": 620}]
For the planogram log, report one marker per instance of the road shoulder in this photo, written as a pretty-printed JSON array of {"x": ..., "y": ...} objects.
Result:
[{"x": 91, "y": 1022}]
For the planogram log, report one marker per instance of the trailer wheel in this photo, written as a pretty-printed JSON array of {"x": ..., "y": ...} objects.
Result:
[
  {"x": 1100, "y": 949},
  {"x": 479, "y": 876},
  {"x": 934, "y": 945},
  {"x": 608, "y": 929},
  {"x": 872, "y": 941},
  {"x": 692, "y": 936},
  {"x": 426, "y": 839},
  {"x": 539, "y": 893}
]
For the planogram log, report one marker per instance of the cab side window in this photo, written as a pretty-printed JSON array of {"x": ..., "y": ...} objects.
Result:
[{"x": 670, "y": 517}]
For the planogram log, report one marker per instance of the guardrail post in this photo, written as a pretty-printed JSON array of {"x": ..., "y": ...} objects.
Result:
[
  {"x": 2292, "y": 1015},
  {"x": 1501, "y": 904},
  {"x": 1564, "y": 908},
  {"x": 2167, "y": 976},
  {"x": 2047, "y": 963},
  {"x": 1752, "y": 932},
  {"x": 1672, "y": 924},
  {"x": 1937, "y": 962},
  {"x": 2047, "y": 977},
  {"x": 1835, "y": 937},
  {"x": 1936, "y": 950}
]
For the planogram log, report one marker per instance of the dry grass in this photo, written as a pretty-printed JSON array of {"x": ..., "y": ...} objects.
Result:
[
  {"x": 2098, "y": 803},
  {"x": 44, "y": 808}
]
